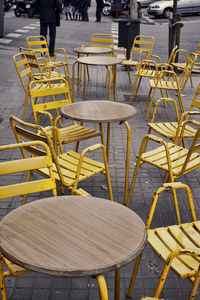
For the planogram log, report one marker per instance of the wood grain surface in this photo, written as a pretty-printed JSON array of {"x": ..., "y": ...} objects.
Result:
[
  {"x": 72, "y": 236},
  {"x": 99, "y": 60},
  {"x": 98, "y": 111},
  {"x": 92, "y": 50}
]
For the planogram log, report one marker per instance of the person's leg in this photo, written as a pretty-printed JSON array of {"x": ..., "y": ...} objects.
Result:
[
  {"x": 52, "y": 35},
  {"x": 43, "y": 29}
]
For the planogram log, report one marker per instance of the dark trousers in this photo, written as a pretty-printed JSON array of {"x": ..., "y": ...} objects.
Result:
[
  {"x": 85, "y": 12},
  {"x": 98, "y": 12},
  {"x": 52, "y": 34}
]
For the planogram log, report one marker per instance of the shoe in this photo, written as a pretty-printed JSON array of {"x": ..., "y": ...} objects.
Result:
[
  {"x": 52, "y": 54},
  {"x": 97, "y": 21}
]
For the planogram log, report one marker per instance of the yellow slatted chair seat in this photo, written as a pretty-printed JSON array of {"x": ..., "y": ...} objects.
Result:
[
  {"x": 172, "y": 130},
  {"x": 165, "y": 240},
  {"x": 69, "y": 162},
  {"x": 169, "y": 129}
]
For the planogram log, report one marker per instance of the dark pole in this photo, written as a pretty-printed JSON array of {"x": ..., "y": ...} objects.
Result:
[
  {"x": 1, "y": 18},
  {"x": 172, "y": 27}
]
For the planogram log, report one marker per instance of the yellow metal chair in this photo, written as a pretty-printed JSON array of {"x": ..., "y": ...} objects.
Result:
[
  {"x": 70, "y": 167},
  {"x": 168, "y": 81},
  {"x": 141, "y": 49},
  {"x": 23, "y": 186},
  {"x": 40, "y": 64},
  {"x": 172, "y": 130},
  {"x": 102, "y": 40},
  {"x": 184, "y": 60},
  {"x": 177, "y": 245},
  {"x": 24, "y": 71},
  {"x": 150, "y": 69},
  {"x": 173, "y": 159},
  {"x": 46, "y": 91},
  {"x": 39, "y": 44},
  {"x": 58, "y": 93}
]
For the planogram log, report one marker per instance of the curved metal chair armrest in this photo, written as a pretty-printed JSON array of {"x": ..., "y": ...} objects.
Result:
[
  {"x": 165, "y": 66},
  {"x": 60, "y": 50},
  {"x": 166, "y": 187},
  {"x": 180, "y": 51},
  {"x": 185, "y": 123},
  {"x": 45, "y": 113},
  {"x": 123, "y": 49},
  {"x": 156, "y": 57},
  {"x": 165, "y": 100}
]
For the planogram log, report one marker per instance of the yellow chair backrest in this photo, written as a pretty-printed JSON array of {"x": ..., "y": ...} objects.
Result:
[
  {"x": 26, "y": 164},
  {"x": 142, "y": 44},
  {"x": 55, "y": 91},
  {"x": 23, "y": 68},
  {"x": 102, "y": 40},
  {"x": 32, "y": 58},
  {"x": 185, "y": 75},
  {"x": 39, "y": 44},
  {"x": 196, "y": 99}
]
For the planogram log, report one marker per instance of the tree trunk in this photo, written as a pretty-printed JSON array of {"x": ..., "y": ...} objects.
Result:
[{"x": 133, "y": 9}]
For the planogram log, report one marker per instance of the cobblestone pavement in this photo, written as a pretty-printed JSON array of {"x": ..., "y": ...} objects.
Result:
[{"x": 38, "y": 286}]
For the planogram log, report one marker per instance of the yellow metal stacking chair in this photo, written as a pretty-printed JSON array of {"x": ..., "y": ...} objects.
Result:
[
  {"x": 40, "y": 65},
  {"x": 70, "y": 167},
  {"x": 57, "y": 94},
  {"x": 173, "y": 159},
  {"x": 172, "y": 130},
  {"x": 39, "y": 44},
  {"x": 184, "y": 58},
  {"x": 177, "y": 245},
  {"x": 168, "y": 81},
  {"x": 102, "y": 40},
  {"x": 141, "y": 49},
  {"x": 24, "y": 71},
  {"x": 23, "y": 185}
]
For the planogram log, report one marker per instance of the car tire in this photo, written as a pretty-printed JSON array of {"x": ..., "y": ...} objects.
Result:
[
  {"x": 166, "y": 12},
  {"x": 106, "y": 10}
]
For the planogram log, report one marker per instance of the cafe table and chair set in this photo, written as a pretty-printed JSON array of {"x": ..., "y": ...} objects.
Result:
[{"x": 82, "y": 235}]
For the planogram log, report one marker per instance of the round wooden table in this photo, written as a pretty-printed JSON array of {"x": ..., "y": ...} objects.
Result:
[
  {"x": 72, "y": 236},
  {"x": 93, "y": 50},
  {"x": 104, "y": 112},
  {"x": 105, "y": 61}
]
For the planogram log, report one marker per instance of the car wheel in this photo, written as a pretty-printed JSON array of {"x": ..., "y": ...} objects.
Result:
[
  {"x": 17, "y": 12},
  {"x": 166, "y": 12},
  {"x": 106, "y": 10}
]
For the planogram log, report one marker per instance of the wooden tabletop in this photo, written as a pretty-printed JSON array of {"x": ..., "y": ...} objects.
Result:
[
  {"x": 98, "y": 111},
  {"x": 72, "y": 236},
  {"x": 99, "y": 60},
  {"x": 92, "y": 50}
]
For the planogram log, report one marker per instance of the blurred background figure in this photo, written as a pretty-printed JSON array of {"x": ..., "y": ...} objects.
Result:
[
  {"x": 47, "y": 9},
  {"x": 67, "y": 10},
  {"x": 84, "y": 10},
  {"x": 98, "y": 10}
]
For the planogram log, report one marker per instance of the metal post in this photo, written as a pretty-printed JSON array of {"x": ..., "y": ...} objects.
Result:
[{"x": 1, "y": 18}]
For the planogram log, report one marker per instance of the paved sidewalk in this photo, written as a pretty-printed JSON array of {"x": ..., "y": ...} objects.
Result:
[{"x": 43, "y": 287}]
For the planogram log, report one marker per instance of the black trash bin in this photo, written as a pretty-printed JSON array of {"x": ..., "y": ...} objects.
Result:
[
  {"x": 1, "y": 17},
  {"x": 128, "y": 29}
]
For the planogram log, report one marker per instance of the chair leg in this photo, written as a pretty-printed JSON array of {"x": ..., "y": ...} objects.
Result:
[
  {"x": 138, "y": 86},
  {"x": 129, "y": 74},
  {"x": 147, "y": 102},
  {"x": 27, "y": 180},
  {"x": 150, "y": 104},
  {"x": 2, "y": 283},
  {"x": 107, "y": 173},
  {"x": 134, "y": 274},
  {"x": 134, "y": 87},
  {"x": 103, "y": 291},
  {"x": 162, "y": 278},
  {"x": 195, "y": 285},
  {"x": 180, "y": 101},
  {"x": 25, "y": 105},
  {"x": 191, "y": 82},
  {"x": 133, "y": 181}
]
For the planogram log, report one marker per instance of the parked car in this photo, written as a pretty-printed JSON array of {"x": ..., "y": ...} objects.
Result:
[
  {"x": 163, "y": 8},
  {"x": 145, "y": 3}
]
